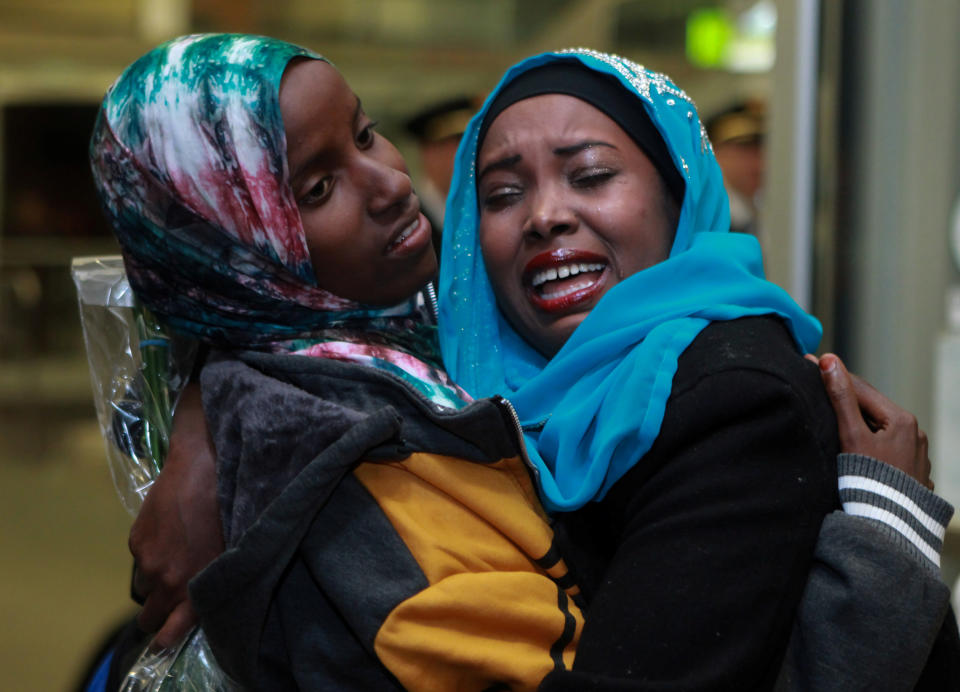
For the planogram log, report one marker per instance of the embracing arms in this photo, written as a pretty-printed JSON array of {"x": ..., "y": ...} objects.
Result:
[
  {"x": 871, "y": 614},
  {"x": 186, "y": 493},
  {"x": 178, "y": 531},
  {"x": 695, "y": 596}
]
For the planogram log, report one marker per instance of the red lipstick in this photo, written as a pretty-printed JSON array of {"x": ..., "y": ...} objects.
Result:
[{"x": 559, "y": 279}]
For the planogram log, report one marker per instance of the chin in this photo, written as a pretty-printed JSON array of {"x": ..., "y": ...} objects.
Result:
[
  {"x": 430, "y": 266},
  {"x": 549, "y": 339},
  {"x": 411, "y": 285}
]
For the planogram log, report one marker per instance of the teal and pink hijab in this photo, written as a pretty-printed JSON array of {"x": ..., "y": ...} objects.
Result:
[{"x": 189, "y": 158}]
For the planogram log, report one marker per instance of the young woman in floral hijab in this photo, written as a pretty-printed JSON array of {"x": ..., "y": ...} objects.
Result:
[{"x": 377, "y": 523}]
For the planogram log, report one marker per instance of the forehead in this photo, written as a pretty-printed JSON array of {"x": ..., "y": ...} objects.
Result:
[
  {"x": 313, "y": 92},
  {"x": 553, "y": 119}
]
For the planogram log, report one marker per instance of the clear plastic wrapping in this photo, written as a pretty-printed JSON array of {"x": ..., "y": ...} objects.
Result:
[
  {"x": 137, "y": 370},
  {"x": 190, "y": 667}
]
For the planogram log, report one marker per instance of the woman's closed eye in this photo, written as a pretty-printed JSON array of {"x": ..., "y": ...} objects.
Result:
[
  {"x": 501, "y": 196},
  {"x": 594, "y": 176}
]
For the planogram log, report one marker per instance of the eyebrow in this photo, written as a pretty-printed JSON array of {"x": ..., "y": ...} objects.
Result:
[
  {"x": 510, "y": 161},
  {"x": 311, "y": 161},
  {"x": 358, "y": 109},
  {"x": 580, "y": 146},
  {"x": 506, "y": 162}
]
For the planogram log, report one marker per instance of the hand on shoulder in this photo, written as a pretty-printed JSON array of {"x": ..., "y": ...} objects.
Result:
[{"x": 871, "y": 424}]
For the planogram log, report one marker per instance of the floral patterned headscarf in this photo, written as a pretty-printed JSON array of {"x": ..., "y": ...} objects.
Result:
[{"x": 189, "y": 157}]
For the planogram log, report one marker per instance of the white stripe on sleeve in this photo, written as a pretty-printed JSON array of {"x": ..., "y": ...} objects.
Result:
[
  {"x": 862, "y": 509},
  {"x": 870, "y": 485}
]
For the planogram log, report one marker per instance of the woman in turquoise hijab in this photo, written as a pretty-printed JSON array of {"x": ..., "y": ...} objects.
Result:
[
  {"x": 710, "y": 275},
  {"x": 658, "y": 377}
]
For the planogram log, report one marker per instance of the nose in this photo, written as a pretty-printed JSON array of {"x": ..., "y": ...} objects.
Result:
[
  {"x": 389, "y": 188},
  {"x": 550, "y": 214}
]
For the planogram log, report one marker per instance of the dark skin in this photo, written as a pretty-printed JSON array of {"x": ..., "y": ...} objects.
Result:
[
  {"x": 557, "y": 178},
  {"x": 869, "y": 423},
  {"x": 367, "y": 238}
]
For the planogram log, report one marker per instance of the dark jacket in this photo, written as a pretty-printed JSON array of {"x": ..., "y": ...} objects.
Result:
[
  {"x": 347, "y": 568},
  {"x": 712, "y": 536}
]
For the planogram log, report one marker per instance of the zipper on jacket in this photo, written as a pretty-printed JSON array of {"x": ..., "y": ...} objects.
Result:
[
  {"x": 430, "y": 294},
  {"x": 505, "y": 405}
]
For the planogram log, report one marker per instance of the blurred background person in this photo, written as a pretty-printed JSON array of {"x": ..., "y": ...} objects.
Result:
[
  {"x": 738, "y": 133},
  {"x": 437, "y": 129}
]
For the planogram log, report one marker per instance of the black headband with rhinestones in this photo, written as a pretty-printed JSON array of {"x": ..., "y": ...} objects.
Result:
[{"x": 602, "y": 91}]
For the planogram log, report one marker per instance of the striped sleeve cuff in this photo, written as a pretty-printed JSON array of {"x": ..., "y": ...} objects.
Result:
[{"x": 912, "y": 515}]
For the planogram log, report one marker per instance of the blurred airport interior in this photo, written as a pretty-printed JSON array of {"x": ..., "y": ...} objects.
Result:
[{"x": 858, "y": 213}]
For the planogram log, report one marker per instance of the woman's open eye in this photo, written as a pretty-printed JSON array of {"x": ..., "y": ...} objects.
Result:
[
  {"x": 319, "y": 192},
  {"x": 586, "y": 178},
  {"x": 366, "y": 135}
]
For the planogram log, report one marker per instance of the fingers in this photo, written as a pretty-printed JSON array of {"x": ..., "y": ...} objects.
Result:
[
  {"x": 154, "y": 613},
  {"x": 145, "y": 568},
  {"x": 178, "y": 625},
  {"x": 163, "y": 593},
  {"x": 840, "y": 389},
  {"x": 138, "y": 585},
  {"x": 869, "y": 423},
  {"x": 878, "y": 409}
]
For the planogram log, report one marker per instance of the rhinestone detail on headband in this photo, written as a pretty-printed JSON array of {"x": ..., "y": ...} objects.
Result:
[
  {"x": 640, "y": 77},
  {"x": 643, "y": 80}
]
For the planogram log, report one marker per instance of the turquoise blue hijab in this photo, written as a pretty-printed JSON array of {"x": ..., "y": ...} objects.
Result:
[{"x": 592, "y": 411}]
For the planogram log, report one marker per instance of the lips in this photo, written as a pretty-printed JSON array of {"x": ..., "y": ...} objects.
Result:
[
  {"x": 563, "y": 278},
  {"x": 410, "y": 236}
]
